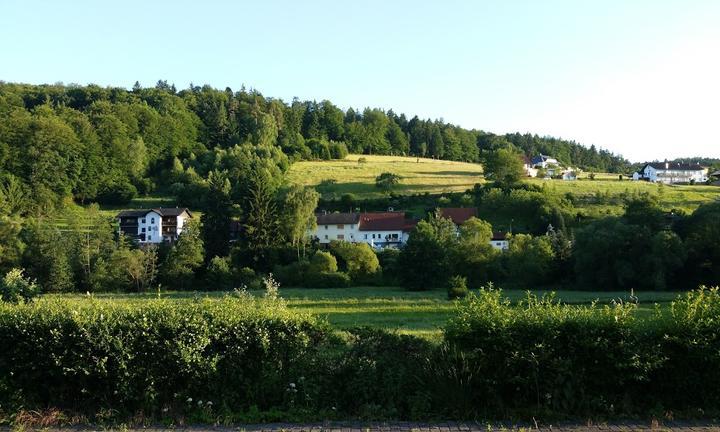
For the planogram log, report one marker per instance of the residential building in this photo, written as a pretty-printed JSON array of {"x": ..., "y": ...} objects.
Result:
[
  {"x": 672, "y": 172},
  {"x": 544, "y": 162},
  {"x": 530, "y": 171},
  {"x": 153, "y": 226},
  {"x": 458, "y": 214},
  {"x": 377, "y": 229},
  {"x": 500, "y": 240}
]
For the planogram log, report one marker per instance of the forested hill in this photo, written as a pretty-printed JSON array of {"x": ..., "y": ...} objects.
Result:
[{"x": 96, "y": 143}]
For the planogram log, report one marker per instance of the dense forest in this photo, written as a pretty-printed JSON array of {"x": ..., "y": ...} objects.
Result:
[{"x": 110, "y": 144}]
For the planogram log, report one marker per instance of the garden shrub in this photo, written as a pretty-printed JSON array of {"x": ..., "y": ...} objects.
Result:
[
  {"x": 457, "y": 288},
  {"x": 327, "y": 280},
  {"x": 153, "y": 356}
]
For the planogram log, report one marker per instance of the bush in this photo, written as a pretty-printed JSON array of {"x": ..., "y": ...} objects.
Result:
[
  {"x": 219, "y": 273},
  {"x": 338, "y": 150},
  {"x": 16, "y": 288},
  {"x": 323, "y": 262},
  {"x": 327, "y": 280},
  {"x": 156, "y": 356},
  {"x": 457, "y": 288}
]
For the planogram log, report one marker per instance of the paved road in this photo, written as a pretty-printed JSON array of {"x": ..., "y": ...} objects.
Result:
[{"x": 417, "y": 427}]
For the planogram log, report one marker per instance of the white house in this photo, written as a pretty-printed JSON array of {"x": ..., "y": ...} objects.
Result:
[
  {"x": 672, "y": 172},
  {"x": 154, "y": 225},
  {"x": 530, "y": 171},
  {"x": 377, "y": 229},
  {"x": 500, "y": 240},
  {"x": 543, "y": 161}
]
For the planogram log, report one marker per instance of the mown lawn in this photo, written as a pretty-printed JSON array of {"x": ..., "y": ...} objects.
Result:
[{"x": 420, "y": 313}]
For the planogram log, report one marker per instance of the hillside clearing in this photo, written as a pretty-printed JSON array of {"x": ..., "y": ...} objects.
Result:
[{"x": 337, "y": 177}]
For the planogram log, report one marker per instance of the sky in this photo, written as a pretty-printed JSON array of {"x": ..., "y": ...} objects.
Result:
[{"x": 639, "y": 78}]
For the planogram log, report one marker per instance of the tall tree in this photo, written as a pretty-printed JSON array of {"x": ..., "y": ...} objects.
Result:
[
  {"x": 216, "y": 218},
  {"x": 185, "y": 256}
]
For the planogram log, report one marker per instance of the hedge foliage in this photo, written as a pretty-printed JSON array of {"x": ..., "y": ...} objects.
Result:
[{"x": 245, "y": 359}]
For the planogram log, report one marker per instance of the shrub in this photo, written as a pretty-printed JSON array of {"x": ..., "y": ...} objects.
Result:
[
  {"x": 154, "y": 356},
  {"x": 457, "y": 288},
  {"x": 327, "y": 280},
  {"x": 15, "y": 287},
  {"x": 323, "y": 262},
  {"x": 387, "y": 180},
  {"x": 338, "y": 150},
  {"x": 219, "y": 273},
  {"x": 358, "y": 259}
]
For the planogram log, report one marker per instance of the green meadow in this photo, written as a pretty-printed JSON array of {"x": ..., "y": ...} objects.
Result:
[{"x": 420, "y": 313}]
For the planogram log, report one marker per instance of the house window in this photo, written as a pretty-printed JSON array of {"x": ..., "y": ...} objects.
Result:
[
  {"x": 326, "y": 227},
  {"x": 365, "y": 236},
  {"x": 149, "y": 238},
  {"x": 341, "y": 237},
  {"x": 143, "y": 230},
  {"x": 326, "y": 237},
  {"x": 152, "y": 220},
  {"x": 373, "y": 235},
  {"x": 341, "y": 226},
  {"x": 143, "y": 220}
]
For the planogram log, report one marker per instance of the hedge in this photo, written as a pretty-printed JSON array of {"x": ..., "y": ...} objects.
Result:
[
  {"x": 244, "y": 359},
  {"x": 157, "y": 357}
]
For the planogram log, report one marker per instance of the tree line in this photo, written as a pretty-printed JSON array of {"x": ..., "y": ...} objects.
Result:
[{"x": 107, "y": 145}]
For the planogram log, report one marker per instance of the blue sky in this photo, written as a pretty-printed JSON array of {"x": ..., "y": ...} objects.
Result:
[{"x": 640, "y": 78}]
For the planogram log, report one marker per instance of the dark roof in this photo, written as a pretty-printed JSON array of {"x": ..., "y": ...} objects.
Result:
[
  {"x": 676, "y": 166},
  {"x": 170, "y": 211},
  {"x": 338, "y": 218},
  {"x": 541, "y": 158},
  {"x": 499, "y": 235},
  {"x": 382, "y": 221},
  {"x": 458, "y": 215},
  {"x": 716, "y": 173},
  {"x": 132, "y": 213}
]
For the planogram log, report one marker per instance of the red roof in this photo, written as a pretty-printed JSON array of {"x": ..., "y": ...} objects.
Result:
[
  {"x": 410, "y": 224},
  {"x": 382, "y": 221},
  {"x": 458, "y": 215}
]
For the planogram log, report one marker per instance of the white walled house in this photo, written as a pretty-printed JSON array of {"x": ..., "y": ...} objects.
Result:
[
  {"x": 377, "y": 229},
  {"x": 337, "y": 226},
  {"x": 544, "y": 161},
  {"x": 672, "y": 172},
  {"x": 153, "y": 226},
  {"x": 500, "y": 240}
]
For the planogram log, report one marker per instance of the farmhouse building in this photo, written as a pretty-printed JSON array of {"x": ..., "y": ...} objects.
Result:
[
  {"x": 154, "y": 225},
  {"x": 671, "y": 172},
  {"x": 544, "y": 161},
  {"x": 377, "y": 229},
  {"x": 500, "y": 240}
]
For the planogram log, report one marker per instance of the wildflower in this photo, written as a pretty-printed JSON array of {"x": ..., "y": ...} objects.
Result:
[{"x": 189, "y": 400}]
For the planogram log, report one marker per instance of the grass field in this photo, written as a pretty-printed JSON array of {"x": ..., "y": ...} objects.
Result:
[
  {"x": 335, "y": 178},
  {"x": 419, "y": 313},
  {"x": 604, "y": 195}
]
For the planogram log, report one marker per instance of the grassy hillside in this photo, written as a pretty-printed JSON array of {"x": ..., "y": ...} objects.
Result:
[
  {"x": 602, "y": 196},
  {"x": 335, "y": 178}
]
